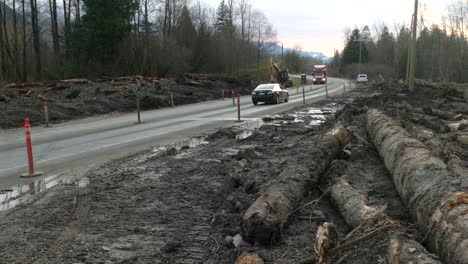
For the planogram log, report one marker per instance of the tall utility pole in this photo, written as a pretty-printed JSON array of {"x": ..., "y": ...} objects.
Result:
[
  {"x": 360, "y": 39},
  {"x": 360, "y": 54},
  {"x": 334, "y": 61},
  {"x": 282, "y": 54},
  {"x": 413, "y": 48},
  {"x": 408, "y": 62}
]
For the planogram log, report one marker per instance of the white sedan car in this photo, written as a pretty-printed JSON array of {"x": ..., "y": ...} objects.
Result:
[{"x": 362, "y": 78}]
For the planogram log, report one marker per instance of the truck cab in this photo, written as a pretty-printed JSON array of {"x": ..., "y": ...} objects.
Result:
[{"x": 320, "y": 74}]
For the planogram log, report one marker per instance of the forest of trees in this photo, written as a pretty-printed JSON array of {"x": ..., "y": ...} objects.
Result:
[
  {"x": 57, "y": 39},
  {"x": 442, "y": 50}
]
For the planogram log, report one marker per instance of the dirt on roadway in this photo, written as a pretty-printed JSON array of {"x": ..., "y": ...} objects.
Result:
[
  {"x": 184, "y": 204},
  {"x": 79, "y": 98}
]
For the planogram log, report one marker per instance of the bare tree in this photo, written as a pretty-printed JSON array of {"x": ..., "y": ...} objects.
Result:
[
  {"x": 36, "y": 39},
  {"x": 23, "y": 13},
  {"x": 54, "y": 27},
  {"x": 244, "y": 9},
  {"x": 3, "y": 59}
]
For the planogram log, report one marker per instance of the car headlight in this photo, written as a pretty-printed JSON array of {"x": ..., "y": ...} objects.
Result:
[
  {"x": 269, "y": 92},
  {"x": 253, "y": 93}
]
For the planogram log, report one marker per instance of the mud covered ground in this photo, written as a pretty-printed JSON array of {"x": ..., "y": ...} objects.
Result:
[
  {"x": 184, "y": 204},
  {"x": 74, "y": 99}
]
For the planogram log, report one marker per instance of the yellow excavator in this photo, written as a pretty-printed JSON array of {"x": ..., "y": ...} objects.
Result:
[{"x": 280, "y": 76}]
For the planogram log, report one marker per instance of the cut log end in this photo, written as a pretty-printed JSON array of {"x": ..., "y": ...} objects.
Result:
[
  {"x": 326, "y": 239},
  {"x": 249, "y": 259}
]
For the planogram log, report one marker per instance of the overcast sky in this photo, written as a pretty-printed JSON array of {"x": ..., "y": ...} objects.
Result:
[{"x": 319, "y": 25}]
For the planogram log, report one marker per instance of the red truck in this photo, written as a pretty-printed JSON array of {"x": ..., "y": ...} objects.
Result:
[{"x": 320, "y": 74}]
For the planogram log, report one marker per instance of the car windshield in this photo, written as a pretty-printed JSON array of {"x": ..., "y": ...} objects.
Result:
[
  {"x": 362, "y": 76},
  {"x": 318, "y": 74},
  {"x": 265, "y": 87}
]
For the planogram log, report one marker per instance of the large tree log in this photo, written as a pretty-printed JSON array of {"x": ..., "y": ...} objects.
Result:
[
  {"x": 352, "y": 204},
  {"x": 445, "y": 115},
  {"x": 434, "y": 195},
  {"x": 266, "y": 217},
  {"x": 355, "y": 207},
  {"x": 431, "y": 122}
]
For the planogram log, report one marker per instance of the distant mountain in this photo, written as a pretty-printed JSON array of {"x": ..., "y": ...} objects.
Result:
[{"x": 276, "y": 50}]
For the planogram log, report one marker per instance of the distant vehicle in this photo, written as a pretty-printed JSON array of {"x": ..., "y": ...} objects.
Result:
[
  {"x": 303, "y": 79},
  {"x": 362, "y": 78},
  {"x": 280, "y": 76},
  {"x": 270, "y": 93},
  {"x": 320, "y": 74}
]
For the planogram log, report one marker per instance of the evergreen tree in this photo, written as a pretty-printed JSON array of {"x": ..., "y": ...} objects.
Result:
[
  {"x": 102, "y": 28},
  {"x": 185, "y": 32},
  {"x": 385, "y": 45},
  {"x": 221, "y": 18},
  {"x": 352, "y": 50},
  {"x": 403, "y": 47}
]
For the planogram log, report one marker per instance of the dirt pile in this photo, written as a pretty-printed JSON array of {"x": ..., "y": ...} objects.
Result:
[
  {"x": 186, "y": 205},
  {"x": 78, "y": 98}
]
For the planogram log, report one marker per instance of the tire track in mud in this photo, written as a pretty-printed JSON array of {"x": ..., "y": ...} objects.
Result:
[
  {"x": 191, "y": 217},
  {"x": 82, "y": 203},
  {"x": 79, "y": 214}
]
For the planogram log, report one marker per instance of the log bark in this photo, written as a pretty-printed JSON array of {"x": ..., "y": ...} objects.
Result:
[
  {"x": 267, "y": 216},
  {"x": 430, "y": 122},
  {"x": 445, "y": 115},
  {"x": 355, "y": 207},
  {"x": 405, "y": 250},
  {"x": 435, "y": 197},
  {"x": 352, "y": 204}
]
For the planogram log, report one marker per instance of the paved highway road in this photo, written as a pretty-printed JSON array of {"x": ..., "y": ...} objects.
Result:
[{"x": 74, "y": 147}]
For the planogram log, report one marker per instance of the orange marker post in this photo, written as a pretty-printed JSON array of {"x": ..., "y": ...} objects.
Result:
[
  {"x": 238, "y": 108},
  {"x": 46, "y": 113},
  {"x": 27, "y": 131}
]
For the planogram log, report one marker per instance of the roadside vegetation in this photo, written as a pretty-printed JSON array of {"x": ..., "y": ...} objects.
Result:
[
  {"x": 441, "y": 48},
  {"x": 54, "y": 40}
]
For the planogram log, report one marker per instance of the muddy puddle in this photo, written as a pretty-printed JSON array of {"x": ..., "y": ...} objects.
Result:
[
  {"x": 21, "y": 194},
  {"x": 313, "y": 117},
  {"x": 246, "y": 129}
]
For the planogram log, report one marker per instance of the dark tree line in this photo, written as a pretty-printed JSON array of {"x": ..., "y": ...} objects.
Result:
[
  {"x": 53, "y": 39},
  {"x": 441, "y": 49}
]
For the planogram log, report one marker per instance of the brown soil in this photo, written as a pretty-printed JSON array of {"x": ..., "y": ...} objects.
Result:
[
  {"x": 185, "y": 205},
  {"x": 74, "y": 99}
]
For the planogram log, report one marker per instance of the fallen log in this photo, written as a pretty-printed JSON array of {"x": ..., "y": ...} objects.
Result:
[
  {"x": 434, "y": 196},
  {"x": 352, "y": 204},
  {"x": 25, "y": 85},
  {"x": 430, "y": 122},
  {"x": 76, "y": 81},
  {"x": 405, "y": 250},
  {"x": 267, "y": 216},
  {"x": 355, "y": 207},
  {"x": 445, "y": 115}
]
